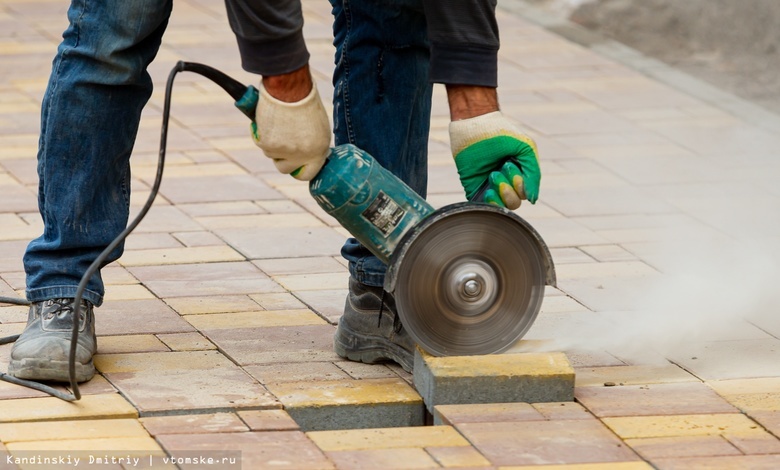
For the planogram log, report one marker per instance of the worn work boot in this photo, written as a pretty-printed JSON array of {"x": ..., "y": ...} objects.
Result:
[
  {"x": 370, "y": 331},
  {"x": 42, "y": 350}
]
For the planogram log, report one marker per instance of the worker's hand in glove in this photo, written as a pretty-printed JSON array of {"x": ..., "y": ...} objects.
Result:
[
  {"x": 295, "y": 135},
  {"x": 490, "y": 148}
]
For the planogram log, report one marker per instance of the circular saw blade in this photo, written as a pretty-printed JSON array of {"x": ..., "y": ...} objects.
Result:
[{"x": 469, "y": 282}]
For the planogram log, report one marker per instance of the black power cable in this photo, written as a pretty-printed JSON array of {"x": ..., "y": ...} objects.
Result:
[{"x": 245, "y": 97}]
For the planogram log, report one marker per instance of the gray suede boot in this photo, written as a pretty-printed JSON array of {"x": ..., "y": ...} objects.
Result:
[
  {"x": 369, "y": 330},
  {"x": 42, "y": 350}
]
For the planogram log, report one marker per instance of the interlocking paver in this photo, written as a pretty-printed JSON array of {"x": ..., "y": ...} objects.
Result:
[
  {"x": 522, "y": 377},
  {"x": 48, "y": 408},
  {"x": 655, "y": 399},
  {"x": 187, "y": 380},
  {"x": 350, "y": 404},
  {"x": 282, "y": 449},
  {"x": 193, "y": 424}
]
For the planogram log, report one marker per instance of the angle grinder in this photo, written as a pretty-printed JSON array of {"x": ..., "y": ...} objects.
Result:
[{"x": 467, "y": 278}]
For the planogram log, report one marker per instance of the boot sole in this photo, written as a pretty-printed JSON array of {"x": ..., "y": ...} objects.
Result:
[
  {"x": 44, "y": 369},
  {"x": 372, "y": 349}
]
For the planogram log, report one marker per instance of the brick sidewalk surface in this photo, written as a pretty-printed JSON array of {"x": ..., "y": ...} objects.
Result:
[{"x": 660, "y": 209}]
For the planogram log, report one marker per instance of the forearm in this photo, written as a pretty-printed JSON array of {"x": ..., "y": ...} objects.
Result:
[
  {"x": 468, "y": 101},
  {"x": 289, "y": 87}
]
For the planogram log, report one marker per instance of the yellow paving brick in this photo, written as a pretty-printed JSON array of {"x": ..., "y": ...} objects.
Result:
[
  {"x": 259, "y": 319},
  {"x": 278, "y": 301},
  {"x": 586, "y": 466},
  {"x": 159, "y": 361},
  {"x": 186, "y": 341},
  {"x": 681, "y": 425},
  {"x": 68, "y": 430},
  {"x": 746, "y": 386},
  {"x": 98, "y": 448},
  {"x": 499, "y": 365},
  {"x": 129, "y": 343},
  {"x": 25, "y": 232},
  {"x": 212, "y": 304},
  {"x": 128, "y": 292},
  {"x": 388, "y": 438},
  {"x": 458, "y": 456},
  {"x": 348, "y": 392},
  {"x": 49, "y": 408},
  {"x": 756, "y": 401},
  {"x": 325, "y": 281},
  {"x": 196, "y": 254}
]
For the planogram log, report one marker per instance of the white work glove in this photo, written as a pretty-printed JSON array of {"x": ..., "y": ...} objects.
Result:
[
  {"x": 295, "y": 135},
  {"x": 497, "y": 162}
]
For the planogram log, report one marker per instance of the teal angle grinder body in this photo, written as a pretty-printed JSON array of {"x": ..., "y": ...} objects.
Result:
[{"x": 467, "y": 278}]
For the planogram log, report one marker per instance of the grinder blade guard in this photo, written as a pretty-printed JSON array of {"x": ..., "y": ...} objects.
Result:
[{"x": 469, "y": 279}]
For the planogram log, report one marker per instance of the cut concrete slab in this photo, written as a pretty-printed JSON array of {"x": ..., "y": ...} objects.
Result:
[{"x": 498, "y": 378}]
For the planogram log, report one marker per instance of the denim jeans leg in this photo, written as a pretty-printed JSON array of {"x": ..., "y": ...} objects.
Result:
[
  {"x": 89, "y": 120},
  {"x": 382, "y": 97}
]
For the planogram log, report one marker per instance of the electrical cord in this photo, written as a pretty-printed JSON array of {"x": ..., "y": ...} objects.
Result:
[{"x": 244, "y": 97}]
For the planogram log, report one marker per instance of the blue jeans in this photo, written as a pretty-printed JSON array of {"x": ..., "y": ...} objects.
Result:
[
  {"x": 89, "y": 121},
  {"x": 382, "y": 98}
]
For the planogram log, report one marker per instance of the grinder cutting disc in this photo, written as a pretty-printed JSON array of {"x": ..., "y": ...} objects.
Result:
[{"x": 469, "y": 280}]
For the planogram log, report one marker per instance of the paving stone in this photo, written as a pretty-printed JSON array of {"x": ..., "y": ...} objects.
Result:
[
  {"x": 257, "y": 319},
  {"x": 138, "y": 317},
  {"x": 328, "y": 303},
  {"x": 388, "y": 438},
  {"x": 753, "y": 462},
  {"x": 104, "y": 448},
  {"x": 281, "y": 242},
  {"x": 185, "y": 255},
  {"x": 278, "y": 301},
  {"x": 212, "y": 304},
  {"x": 500, "y": 378},
  {"x": 682, "y": 446},
  {"x": 210, "y": 279},
  {"x": 104, "y": 406},
  {"x": 186, "y": 342},
  {"x": 277, "y": 449},
  {"x": 198, "y": 239},
  {"x": 130, "y": 343},
  {"x": 296, "y": 372},
  {"x": 325, "y": 281},
  {"x": 73, "y": 429},
  {"x": 638, "y": 427},
  {"x": 188, "y": 380},
  {"x": 399, "y": 458},
  {"x": 359, "y": 370},
  {"x": 216, "y": 188},
  {"x": 631, "y": 375},
  {"x": 485, "y": 413},
  {"x": 276, "y": 344},
  {"x": 546, "y": 442},
  {"x": 655, "y": 399},
  {"x": 457, "y": 457},
  {"x": 290, "y": 266},
  {"x": 193, "y": 424},
  {"x": 350, "y": 404},
  {"x": 587, "y": 466},
  {"x": 268, "y": 420}
]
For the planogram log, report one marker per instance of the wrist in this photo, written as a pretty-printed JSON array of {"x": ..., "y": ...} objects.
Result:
[
  {"x": 468, "y": 101},
  {"x": 289, "y": 87}
]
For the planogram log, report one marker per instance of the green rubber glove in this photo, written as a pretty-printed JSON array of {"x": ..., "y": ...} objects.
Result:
[{"x": 489, "y": 148}]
